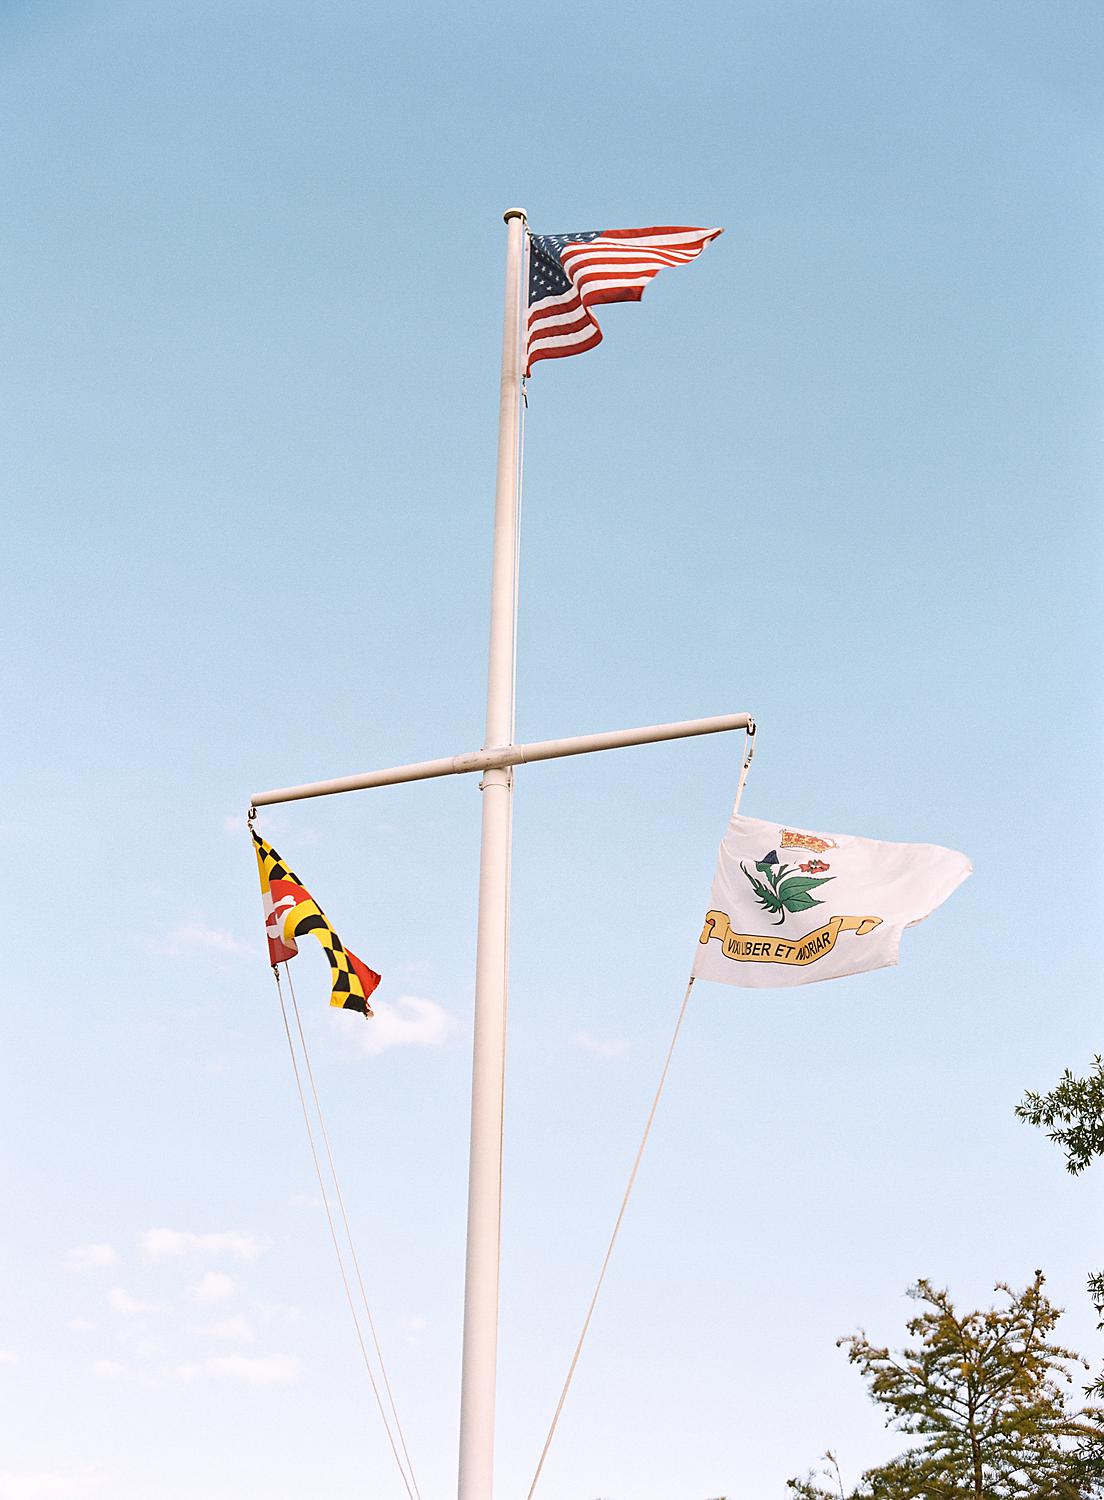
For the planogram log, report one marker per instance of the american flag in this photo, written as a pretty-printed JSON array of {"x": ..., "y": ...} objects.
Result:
[{"x": 569, "y": 273}]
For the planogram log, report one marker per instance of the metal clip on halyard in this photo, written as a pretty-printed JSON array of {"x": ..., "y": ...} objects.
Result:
[{"x": 749, "y": 752}]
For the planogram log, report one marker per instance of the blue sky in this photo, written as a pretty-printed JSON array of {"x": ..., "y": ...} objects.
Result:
[{"x": 842, "y": 472}]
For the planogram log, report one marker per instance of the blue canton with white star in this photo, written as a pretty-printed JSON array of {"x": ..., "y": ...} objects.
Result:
[{"x": 547, "y": 277}]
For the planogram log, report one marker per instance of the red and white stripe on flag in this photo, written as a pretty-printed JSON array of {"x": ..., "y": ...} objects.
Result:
[{"x": 612, "y": 266}]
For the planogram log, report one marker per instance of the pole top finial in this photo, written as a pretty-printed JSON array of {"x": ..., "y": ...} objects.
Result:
[{"x": 514, "y": 213}]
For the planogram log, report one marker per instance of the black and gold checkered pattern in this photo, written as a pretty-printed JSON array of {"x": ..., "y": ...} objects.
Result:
[
  {"x": 270, "y": 864},
  {"x": 352, "y": 981}
]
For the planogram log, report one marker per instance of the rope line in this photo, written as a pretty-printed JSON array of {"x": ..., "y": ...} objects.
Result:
[
  {"x": 613, "y": 1239},
  {"x": 749, "y": 752},
  {"x": 749, "y": 755},
  {"x": 349, "y": 1235},
  {"x": 333, "y": 1235}
]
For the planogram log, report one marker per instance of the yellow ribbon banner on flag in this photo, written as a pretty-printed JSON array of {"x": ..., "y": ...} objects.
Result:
[{"x": 758, "y": 948}]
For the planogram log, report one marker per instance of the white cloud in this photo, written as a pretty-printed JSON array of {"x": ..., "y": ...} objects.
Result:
[
  {"x": 237, "y": 1329},
  {"x": 167, "y": 1244},
  {"x": 213, "y": 1286},
  {"x": 408, "y": 1022},
  {"x": 106, "y": 1369},
  {"x": 267, "y": 1369},
  {"x": 37, "y": 1486},
  {"x": 88, "y": 1257},
  {"x": 194, "y": 937},
  {"x": 138, "y": 1343},
  {"x": 123, "y": 1302},
  {"x": 411, "y": 969},
  {"x": 283, "y": 1315},
  {"x": 82, "y": 1325},
  {"x": 8, "y": 1357},
  {"x": 413, "y": 1327},
  {"x": 613, "y": 1048}
]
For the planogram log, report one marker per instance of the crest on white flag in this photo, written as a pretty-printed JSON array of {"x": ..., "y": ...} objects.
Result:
[{"x": 790, "y": 907}]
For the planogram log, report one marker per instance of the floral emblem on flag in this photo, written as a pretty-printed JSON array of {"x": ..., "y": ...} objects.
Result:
[{"x": 781, "y": 891}]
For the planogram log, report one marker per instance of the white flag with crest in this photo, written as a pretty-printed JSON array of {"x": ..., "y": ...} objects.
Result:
[{"x": 790, "y": 907}]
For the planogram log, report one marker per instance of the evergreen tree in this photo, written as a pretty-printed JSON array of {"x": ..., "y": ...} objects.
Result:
[{"x": 985, "y": 1394}]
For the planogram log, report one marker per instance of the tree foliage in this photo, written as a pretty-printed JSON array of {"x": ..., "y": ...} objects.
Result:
[
  {"x": 985, "y": 1395},
  {"x": 1072, "y": 1115}
]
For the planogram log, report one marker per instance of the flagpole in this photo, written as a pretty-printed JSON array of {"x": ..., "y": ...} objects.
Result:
[{"x": 477, "y": 1394}]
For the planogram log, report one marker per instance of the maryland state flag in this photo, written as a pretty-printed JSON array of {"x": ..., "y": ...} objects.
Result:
[{"x": 290, "y": 912}]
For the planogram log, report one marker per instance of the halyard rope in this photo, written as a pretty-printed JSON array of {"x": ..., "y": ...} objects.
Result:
[
  {"x": 749, "y": 751},
  {"x": 349, "y": 1235},
  {"x": 333, "y": 1235},
  {"x": 613, "y": 1238}
]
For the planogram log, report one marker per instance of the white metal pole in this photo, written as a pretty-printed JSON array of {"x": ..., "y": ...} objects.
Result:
[{"x": 477, "y": 1394}]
